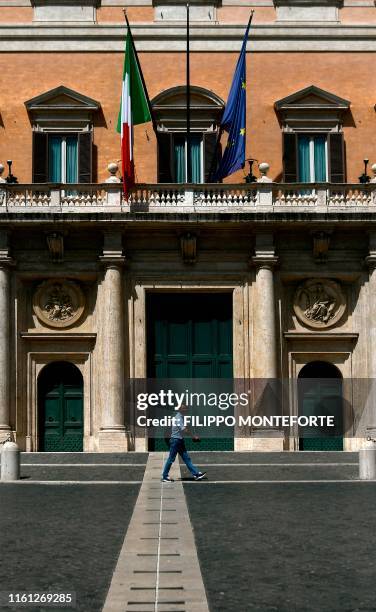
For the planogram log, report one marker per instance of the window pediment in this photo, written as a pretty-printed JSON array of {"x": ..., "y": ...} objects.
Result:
[
  {"x": 310, "y": 107},
  {"x": 62, "y": 106},
  {"x": 62, "y": 97},
  {"x": 170, "y": 109}
]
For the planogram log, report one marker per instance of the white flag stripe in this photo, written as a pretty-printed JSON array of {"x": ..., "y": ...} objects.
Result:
[{"x": 126, "y": 112}]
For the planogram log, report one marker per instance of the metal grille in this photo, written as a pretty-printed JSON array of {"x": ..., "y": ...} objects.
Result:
[
  {"x": 206, "y": 444},
  {"x": 55, "y": 444}
]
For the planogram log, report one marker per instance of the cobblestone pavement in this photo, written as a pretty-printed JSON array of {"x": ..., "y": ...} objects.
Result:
[
  {"x": 284, "y": 538},
  {"x": 66, "y": 536},
  {"x": 284, "y": 532}
]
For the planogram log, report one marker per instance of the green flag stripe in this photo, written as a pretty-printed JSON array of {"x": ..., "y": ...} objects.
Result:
[{"x": 139, "y": 100}]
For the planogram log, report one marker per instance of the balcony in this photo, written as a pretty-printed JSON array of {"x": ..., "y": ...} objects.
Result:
[{"x": 177, "y": 198}]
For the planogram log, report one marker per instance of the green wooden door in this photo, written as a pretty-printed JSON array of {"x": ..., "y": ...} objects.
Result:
[
  {"x": 320, "y": 393},
  {"x": 60, "y": 389},
  {"x": 190, "y": 336}
]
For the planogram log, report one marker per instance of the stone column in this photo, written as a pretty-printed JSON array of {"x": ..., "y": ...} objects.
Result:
[
  {"x": 264, "y": 327},
  {"x": 4, "y": 348},
  {"x": 264, "y": 361},
  {"x": 5, "y": 264},
  {"x": 112, "y": 435},
  {"x": 371, "y": 263},
  {"x": 368, "y": 419}
]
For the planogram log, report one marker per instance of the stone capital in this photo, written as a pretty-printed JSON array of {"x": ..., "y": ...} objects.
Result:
[
  {"x": 264, "y": 262},
  {"x": 112, "y": 261},
  {"x": 370, "y": 261},
  {"x": 112, "y": 253},
  {"x": 6, "y": 263}
]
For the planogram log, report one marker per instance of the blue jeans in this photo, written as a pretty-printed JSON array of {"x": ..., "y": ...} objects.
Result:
[{"x": 177, "y": 446}]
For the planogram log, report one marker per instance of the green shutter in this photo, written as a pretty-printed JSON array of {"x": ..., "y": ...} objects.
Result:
[
  {"x": 289, "y": 158},
  {"x": 210, "y": 155},
  {"x": 85, "y": 146},
  {"x": 40, "y": 157},
  {"x": 336, "y": 158},
  {"x": 164, "y": 158}
]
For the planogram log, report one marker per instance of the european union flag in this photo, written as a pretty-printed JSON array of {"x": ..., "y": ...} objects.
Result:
[{"x": 233, "y": 120}]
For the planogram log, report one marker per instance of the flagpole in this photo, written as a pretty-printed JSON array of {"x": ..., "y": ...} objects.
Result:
[
  {"x": 220, "y": 131},
  {"x": 189, "y": 161}
]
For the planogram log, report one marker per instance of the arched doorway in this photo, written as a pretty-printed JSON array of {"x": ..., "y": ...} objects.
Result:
[
  {"x": 60, "y": 408},
  {"x": 320, "y": 393}
]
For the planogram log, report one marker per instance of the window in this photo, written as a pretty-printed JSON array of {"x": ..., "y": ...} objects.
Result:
[
  {"x": 313, "y": 141},
  {"x": 314, "y": 11},
  {"x": 62, "y": 158},
  {"x": 172, "y": 157},
  {"x": 169, "y": 109},
  {"x": 62, "y": 122},
  {"x": 312, "y": 158},
  {"x": 203, "y": 10},
  {"x": 181, "y": 158},
  {"x": 71, "y": 11}
]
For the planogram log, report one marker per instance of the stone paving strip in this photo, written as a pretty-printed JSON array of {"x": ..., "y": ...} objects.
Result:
[
  {"x": 313, "y": 481},
  {"x": 158, "y": 568},
  {"x": 69, "y": 482},
  {"x": 274, "y": 465},
  {"x": 186, "y": 482},
  {"x": 85, "y": 465}
]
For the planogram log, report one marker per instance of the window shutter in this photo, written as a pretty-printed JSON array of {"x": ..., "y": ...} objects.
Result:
[
  {"x": 40, "y": 157},
  {"x": 164, "y": 158},
  {"x": 84, "y": 157},
  {"x": 210, "y": 155},
  {"x": 290, "y": 169},
  {"x": 336, "y": 158}
]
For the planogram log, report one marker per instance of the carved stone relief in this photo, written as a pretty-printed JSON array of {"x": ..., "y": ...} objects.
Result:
[
  {"x": 319, "y": 303},
  {"x": 59, "y": 303}
]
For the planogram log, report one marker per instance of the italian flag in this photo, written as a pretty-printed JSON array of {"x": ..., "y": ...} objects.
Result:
[{"x": 134, "y": 109}]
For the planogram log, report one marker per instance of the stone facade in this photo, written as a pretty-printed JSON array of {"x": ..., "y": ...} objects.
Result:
[{"x": 115, "y": 270}]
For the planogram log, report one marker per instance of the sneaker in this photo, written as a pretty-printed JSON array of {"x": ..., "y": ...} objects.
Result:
[
  {"x": 167, "y": 479},
  {"x": 200, "y": 475}
]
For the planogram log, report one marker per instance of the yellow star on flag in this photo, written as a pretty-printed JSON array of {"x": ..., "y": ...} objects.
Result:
[
  {"x": 242, "y": 132},
  {"x": 243, "y": 84}
]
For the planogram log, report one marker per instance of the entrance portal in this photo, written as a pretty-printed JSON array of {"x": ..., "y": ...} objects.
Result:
[
  {"x": 190, "y": 336},
  {"x": 60, "y": 403},
  {"x": 320, "y": 393}
]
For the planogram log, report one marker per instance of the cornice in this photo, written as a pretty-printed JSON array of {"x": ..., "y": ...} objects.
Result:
[
  {"x": 319, "y": 335},
  {"x": 127, "y": 3},
  {"x": 172, "y": 37},
  {"x": 63, "y": 335}
]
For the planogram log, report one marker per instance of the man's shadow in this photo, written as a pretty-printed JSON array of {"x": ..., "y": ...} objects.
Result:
[{"x": 191, "y": 478}]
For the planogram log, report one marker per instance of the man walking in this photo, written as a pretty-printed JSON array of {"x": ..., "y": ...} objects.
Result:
[{"x": 177, "y": 446}]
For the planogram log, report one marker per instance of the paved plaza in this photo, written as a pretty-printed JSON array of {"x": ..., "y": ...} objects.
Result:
[{"x": 286, "y": 532}]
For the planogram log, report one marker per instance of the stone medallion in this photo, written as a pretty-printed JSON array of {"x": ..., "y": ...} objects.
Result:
[
  {"x": 319, "y": 303},
  {"x": 59, "y": 303}
]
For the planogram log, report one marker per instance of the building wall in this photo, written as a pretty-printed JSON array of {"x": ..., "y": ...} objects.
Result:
[
  {"x": 271, "y": 76},
  {"x": 33, "y": 65},
  {"x": 282, "y": 59}
]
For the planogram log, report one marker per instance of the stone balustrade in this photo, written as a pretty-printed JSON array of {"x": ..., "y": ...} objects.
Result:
[{"x": 264, "y": 197}]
